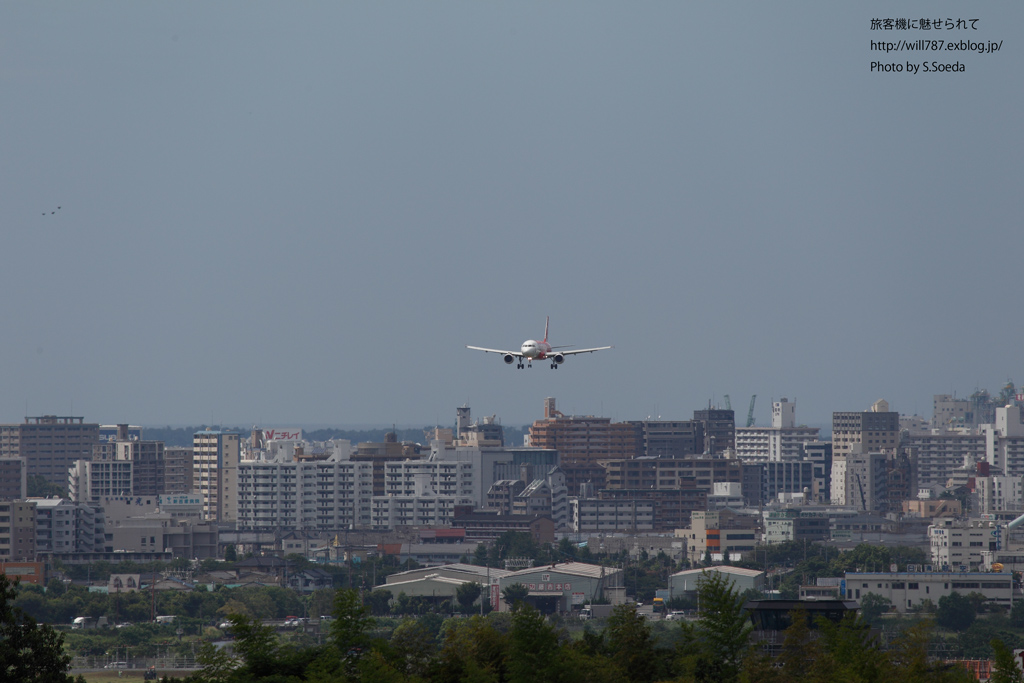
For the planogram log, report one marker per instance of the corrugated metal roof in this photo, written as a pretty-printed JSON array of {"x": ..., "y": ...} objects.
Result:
[
  {"x": 574, "y": 568},
  {"x": 724, "y": 569}
]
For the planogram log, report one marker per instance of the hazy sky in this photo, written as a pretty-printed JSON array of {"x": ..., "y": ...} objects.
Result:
[{"x": 294, "y": 213}]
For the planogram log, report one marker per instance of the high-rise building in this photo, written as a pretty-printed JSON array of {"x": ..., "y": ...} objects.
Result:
[
  {"x": 49, "y": 444},
  {"x": 147, "y": 458},
  {"x": 285, "y": 494},
  {"x": 782, "y": 441},
  {"x": 875, "y": 431},
  {"x": 719, "y": 429},
  {"x": 215, "y": 473},
  {"x": 581, "y": 443},
  {"x": 1004, "y": 441},
  {"x": 669, "y": 438},
  {"x": 177, "y": 470}
]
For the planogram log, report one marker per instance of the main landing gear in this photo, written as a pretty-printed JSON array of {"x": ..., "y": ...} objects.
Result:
[
  {"x": 528, "y": 364},
  {"x": 554, "y": 366}
]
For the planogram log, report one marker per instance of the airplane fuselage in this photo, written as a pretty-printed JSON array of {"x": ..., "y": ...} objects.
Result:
[{"x": 535, "y": 350}]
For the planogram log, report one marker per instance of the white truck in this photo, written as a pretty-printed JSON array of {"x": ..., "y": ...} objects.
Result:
[{"x": 596, "y": 612}]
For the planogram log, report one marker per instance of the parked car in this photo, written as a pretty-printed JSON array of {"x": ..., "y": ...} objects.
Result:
[
  {"x": 117, "y": 665},
  {"x": 674, "y": 616}
]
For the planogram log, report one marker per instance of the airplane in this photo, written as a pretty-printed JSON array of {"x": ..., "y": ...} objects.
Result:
[{"x": 532, "y": 350}]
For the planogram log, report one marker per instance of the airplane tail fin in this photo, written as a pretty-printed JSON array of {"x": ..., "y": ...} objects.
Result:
[{"x": 547, "y": 319}]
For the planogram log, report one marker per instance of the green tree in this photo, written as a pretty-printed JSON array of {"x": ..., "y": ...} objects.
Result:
[
  {"x": 413, "y": 646},
  {"x": 955, "y": 612},
  {"x": 630, "y": 644},
  {"x": 713, "y": 648},
  {"x": 216, "y": 665},
  {"x": 256, "y": 644},
  {"x": 873, "y": 606},
  {"x": 467, "y": 594},
  {"x": 230, "y": 554},
  {"x": 514, "y": 593},
  {"x": 351, "y": 622},
  {"x": 379, "y": 601},
  {"x": 1006, "y": 669},
  {"x": 533, "y": 648},
  {"x": 29, "y": 651}
]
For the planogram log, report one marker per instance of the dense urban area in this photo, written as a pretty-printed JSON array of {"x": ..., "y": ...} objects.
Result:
[{"x": 577, "y": 549}]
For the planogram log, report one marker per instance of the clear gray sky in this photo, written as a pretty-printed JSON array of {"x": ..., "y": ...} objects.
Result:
[{"x": 293, "y": 213}]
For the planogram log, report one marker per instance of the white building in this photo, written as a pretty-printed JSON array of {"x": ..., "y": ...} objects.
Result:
[
  {"x": 1004, "y": 441},
  {"x": 859, "y": 479},
  {"x": 940, "y": 453},
  {"x": 315, "y": 495},
  {"x": 998, "y": 494},
  {"x": 782, "y": 441},
  {"x": 91, "y": 480},
  {"x": 63, "y": 526},
  {"x": 215, "y": 473},
  {"x": 906, "y": 590},
  {"x": 960, "y": 543},
  {"x": 445, "y": 478}
]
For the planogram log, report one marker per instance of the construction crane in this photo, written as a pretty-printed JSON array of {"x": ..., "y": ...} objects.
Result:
[
  {"x": 750, "y": 413},
  {"x": 728, "y": 403}
]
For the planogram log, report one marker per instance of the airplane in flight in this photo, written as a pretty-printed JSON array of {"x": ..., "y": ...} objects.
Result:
[{"x": 532, "y": 350}]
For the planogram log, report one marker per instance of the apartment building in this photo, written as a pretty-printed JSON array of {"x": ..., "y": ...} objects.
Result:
[
  {"x": 13, "y": 478},
  {"x": 17, "y": 531},
  {"x": 582, "y": 442},
  {"x": 321, "y": 495},
  {"x": 668, "y": 439},
  {"x": 784, "y": 440},
  {"x": 939, "y": 453},
  {"x": 876, "y": 430},
  {"x": 177, "y": 470},
  {"x": 63, "y": 526},
  {"x": 49, "y": 444},
  {"x": 1004, "y": 441},
  {"x": 597, "y": 515},
  {"x": 91, "y": 480},
  {"x": 719, "y": 427},
  {"x": 215, "y": 473}
]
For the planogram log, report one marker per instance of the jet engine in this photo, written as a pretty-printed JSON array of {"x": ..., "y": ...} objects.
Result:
[
  {"x": 509, "y": 359},
  {"x": 558, "y": 358}
]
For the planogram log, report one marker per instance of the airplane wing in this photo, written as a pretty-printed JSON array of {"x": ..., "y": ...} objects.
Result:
[
  {"x": 599, "y": 348},
  {"x": 517, "y": 354}
]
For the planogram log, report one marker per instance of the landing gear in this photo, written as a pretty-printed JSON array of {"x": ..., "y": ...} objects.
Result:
[
  {"x": 519, "y": 366},
  {"x": 554, "y": 366}
]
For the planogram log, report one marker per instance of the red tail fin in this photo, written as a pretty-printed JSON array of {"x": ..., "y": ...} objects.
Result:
[{"x": 547, "y": 319}]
